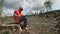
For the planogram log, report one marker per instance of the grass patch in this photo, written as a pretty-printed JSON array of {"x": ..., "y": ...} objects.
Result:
[
  {"x": 6, "y": 31},
  {"x": 43, "y": 25}
]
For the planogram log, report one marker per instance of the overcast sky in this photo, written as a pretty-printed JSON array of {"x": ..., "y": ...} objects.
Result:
[{"x": 27, "y": 5}]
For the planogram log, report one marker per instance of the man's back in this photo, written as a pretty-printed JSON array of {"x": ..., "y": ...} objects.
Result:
[{"x": 17, "y": 15}]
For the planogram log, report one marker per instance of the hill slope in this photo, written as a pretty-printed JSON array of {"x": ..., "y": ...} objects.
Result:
[{"x": 42, "y": 24}]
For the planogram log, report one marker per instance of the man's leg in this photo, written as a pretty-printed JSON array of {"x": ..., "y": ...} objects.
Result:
[{"x": 24, "y": 20}]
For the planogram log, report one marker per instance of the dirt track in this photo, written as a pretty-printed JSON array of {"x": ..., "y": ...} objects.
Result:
[{"x": 41, "y": 25}]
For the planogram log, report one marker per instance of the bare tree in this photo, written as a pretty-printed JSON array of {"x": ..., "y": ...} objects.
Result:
[
  {"x": 1, "y": 5},
  {"x": 48, "y": 4}
]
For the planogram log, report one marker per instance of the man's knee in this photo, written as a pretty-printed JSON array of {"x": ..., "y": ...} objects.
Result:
[{"x": 24, "y": 17}]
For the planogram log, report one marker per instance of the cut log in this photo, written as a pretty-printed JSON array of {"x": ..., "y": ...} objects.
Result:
[{"x": 9, "y": 24}]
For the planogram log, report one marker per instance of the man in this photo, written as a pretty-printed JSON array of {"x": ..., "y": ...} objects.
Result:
[{"x": 19, "y": 17}]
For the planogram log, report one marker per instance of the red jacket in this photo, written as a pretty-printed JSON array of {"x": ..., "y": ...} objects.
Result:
[{"x": 17, "y": 15}]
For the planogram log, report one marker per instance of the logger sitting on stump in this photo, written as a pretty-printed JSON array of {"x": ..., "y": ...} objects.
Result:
[{"x": 19, "y": 17}]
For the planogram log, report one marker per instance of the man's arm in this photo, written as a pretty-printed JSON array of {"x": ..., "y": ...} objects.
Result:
[{"x": 15, "y": 14}]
